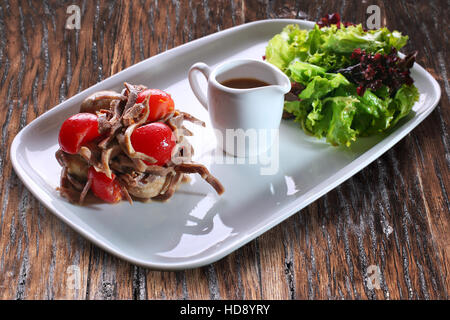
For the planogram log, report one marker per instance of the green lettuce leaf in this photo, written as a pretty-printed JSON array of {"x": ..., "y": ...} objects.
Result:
[
  {"x": 345, "y": 40},
  {"x": 403, "y": 102},
  {"x": 283, "y": 47},
  {"x": 319, "y": 86},
  {"x": 279, "y": 53},
  {"x": 339, "y": 130},
  {"x": 331, "y": 118},
  {"x": 340, "y": 115},
  {"x": 374, "y": 114},
  {"x": 328, "y": 47},
  {"x": 303, "y": 72},
  {"x": 329, "y": 105}
]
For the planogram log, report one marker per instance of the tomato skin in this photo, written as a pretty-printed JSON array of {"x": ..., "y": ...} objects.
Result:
[
  {"x": 78, "y": 130},
  {"x": 103, "y": 187},
  {"x": 155, "y": 140},
  {"x": 160, "y": 102}
]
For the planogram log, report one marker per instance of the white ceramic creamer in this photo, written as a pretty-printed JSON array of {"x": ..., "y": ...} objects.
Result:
[{"x": 246, "y": 121}]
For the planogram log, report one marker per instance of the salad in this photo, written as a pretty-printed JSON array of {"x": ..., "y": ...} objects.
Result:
[
  {"x": 346, "y": 81},
  {"x": 128, "y": 145}
]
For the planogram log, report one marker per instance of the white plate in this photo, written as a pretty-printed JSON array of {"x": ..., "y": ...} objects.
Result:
[{"x": 197, "y": 227}]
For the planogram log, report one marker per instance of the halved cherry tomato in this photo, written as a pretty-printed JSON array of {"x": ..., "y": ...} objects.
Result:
[
  {"x": 78, "y": 130},
  {"x": 160, "y": 102},
  {"x": 103, "y": 187},
  {"x": 155, "y": 140}
]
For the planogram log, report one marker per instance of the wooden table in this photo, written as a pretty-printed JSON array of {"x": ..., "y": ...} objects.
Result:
[{"x": 393, "y": 215}]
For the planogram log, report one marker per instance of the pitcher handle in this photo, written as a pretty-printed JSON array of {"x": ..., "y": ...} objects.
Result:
[{"x": 193, "y": 81}]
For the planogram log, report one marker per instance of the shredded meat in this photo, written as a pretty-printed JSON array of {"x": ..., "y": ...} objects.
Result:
[
  {"x": 113, "y": 154},
  {"x": 203, "y": 172},
  {"x": 100, "y": 100}
]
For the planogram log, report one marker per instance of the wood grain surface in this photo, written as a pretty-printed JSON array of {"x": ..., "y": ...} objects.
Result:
[{"x": 394, "y": 214}]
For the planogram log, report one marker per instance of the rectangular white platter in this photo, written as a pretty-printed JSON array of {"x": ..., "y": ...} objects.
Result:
[{"x": 197, "y": 227}]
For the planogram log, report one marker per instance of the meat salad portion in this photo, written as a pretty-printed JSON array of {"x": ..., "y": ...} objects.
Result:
[{"x": 128, "y": 145}]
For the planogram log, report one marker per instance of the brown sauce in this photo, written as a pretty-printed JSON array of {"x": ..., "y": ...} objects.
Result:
[{"x": 244, "y": 83}]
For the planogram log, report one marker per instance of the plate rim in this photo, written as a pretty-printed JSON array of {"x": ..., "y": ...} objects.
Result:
[{"x": 295, "y": 206}]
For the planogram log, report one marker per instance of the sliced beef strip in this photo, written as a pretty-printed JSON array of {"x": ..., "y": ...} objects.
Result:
[
  {"x": 203, "y": 172},
  {"x": 136, "y": 174},
  {"x": 100, "y": 100},
  {"x": 169, "y": 191}
]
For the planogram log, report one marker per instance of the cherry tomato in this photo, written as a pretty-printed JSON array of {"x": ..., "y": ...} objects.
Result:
[
  {"x": 160, "y": 102},
  {"x": 155, "y": 140},
  {"x": 103, "y": 187},
  {"x": 78, "y": 130}
]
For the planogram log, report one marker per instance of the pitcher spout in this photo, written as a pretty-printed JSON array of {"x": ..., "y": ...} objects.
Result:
[
  {"x": 284, "y": 87},
  {"x": 282, "y": 82}
]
